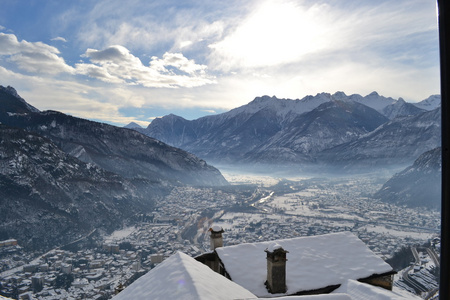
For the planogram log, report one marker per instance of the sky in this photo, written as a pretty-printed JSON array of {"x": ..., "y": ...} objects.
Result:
[{"x": 132, "y": 61}]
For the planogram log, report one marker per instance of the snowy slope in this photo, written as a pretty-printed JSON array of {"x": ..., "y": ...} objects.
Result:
[
  {"x": 361, "y": 291},
  {"x": 401, "y": 109},
  {"x": 373, "y": 100},
  {"x": 430, "y": 103},
  {"x": 397, "y": 142},
  {"x": 49, "y": 198},
  {"x": 417, "y": 185},
  {"x": 331, "y": 124}
]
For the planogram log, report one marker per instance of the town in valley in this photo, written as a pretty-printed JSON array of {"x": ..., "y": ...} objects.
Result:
[{"x": 253, "y": 208}]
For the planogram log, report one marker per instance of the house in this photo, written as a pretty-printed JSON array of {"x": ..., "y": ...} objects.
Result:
[
  {"x": 335, "y": 266},
  {"x": 183, "y": 277},
  {"x": 299, "y": 266}
]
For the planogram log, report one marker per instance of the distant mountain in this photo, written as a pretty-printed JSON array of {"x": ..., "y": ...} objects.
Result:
[
  {"x": 418, "y": 185},
  {"x": 396, "y": 142},
  {"x": 401, "y": 109},
  {"x": 119, "y": 150},
  {"x": 12, "y": 103},
  {"x": 330, "y": 130},
  {"x": 373, "y": 100},
  {"x": 332, "y": 123},
  {"x": 132, "y": 125},
  {"x": 431, "y": 103},
  {"x": 49, "y": 198}
]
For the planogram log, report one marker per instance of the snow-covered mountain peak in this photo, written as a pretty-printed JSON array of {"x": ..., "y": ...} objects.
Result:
[
  {"x": 11, "y": 90},
  {"x": 340, "y": 96},
  {"x": 374, "y": 100},
  {"x": 431, "y": 103},
  {"x": 133, "y": 125},
  {"x": 401, "y": 108},
  {"x": 287, "y": 108}
]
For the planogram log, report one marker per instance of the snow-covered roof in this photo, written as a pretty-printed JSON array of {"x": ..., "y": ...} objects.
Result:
[
  {"x": 182, "y": 277},
  {"x": 313, "y": 297},
  {"x": 313, "y": 262},
  {"x": 362, "y": 291},
  {"x": 216, "y": 228}
]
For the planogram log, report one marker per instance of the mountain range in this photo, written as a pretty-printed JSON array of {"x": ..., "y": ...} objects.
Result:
[
  {"x": 119, "y": 150},
  {"x": 325, "y": 131},
  {"x": 61, "y": 176},
  {"x": 48, "y": 197}
]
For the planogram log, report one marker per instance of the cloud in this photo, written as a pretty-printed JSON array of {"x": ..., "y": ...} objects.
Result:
[
  {"x": 97, "y": 72},
  {"x": 33, "y": 57},
  {"x": 284, "y": 32},
  {"x": 178, "y": 61},
  {"x": 61, "y": 39},
  {"x": 160, "y": 27},
  {"x": 79, "y": 99},
  {"x": 116, "y": 64}
]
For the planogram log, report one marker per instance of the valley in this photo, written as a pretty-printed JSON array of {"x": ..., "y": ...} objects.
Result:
[{"x": 252, "y": 208}]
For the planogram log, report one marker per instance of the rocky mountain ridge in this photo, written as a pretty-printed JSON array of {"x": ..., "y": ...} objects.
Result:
[
  {"x": 324, "y": 130},
  {"x": 119, "y": 150},
  {"x": 419, "y": 185},
  {"x": 48, "y": 197}
]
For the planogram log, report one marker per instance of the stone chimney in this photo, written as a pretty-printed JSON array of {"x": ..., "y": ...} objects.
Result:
[
  {"x": 216, "y": 237},
  {"x": 276, "y": 269}
]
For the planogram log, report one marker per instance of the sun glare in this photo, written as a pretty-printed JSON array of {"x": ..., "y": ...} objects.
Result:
[{"x": 275, "y": 33}]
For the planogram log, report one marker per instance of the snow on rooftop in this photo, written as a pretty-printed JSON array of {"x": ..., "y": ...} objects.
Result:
[
  {"x": 313, "y": 262},
  {"x": 361, "y": 291},
  {"x": 182, "y": 277},
  {"x": 273, "y": 246},
  {"x": 313, "y": 297},
  {"x": 216, "y": 228}
]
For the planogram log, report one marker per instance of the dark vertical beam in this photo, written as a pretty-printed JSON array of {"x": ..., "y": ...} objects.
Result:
[{"x": 444, "y": 48}]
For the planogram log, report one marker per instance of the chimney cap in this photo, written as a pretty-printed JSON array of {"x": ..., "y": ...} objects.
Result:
[
  {"x": 275, "y": 247},
  {"x": 216, "y": 228}
]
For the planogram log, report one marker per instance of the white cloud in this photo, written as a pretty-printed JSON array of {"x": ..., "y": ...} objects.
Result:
[
  {"x": 117, "y": 64},
  {"x": 184, "y": 44},
  {"x": 72, "y": 97},
  {"x": 61, "y": 39},
  {"x": 98, "y": 72},
  {"x": 152, "y": 25},
  {"x": 178, "y": 61},
  {"x": 284, "y": 32},
  {"x": 33, "y": 57}
]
